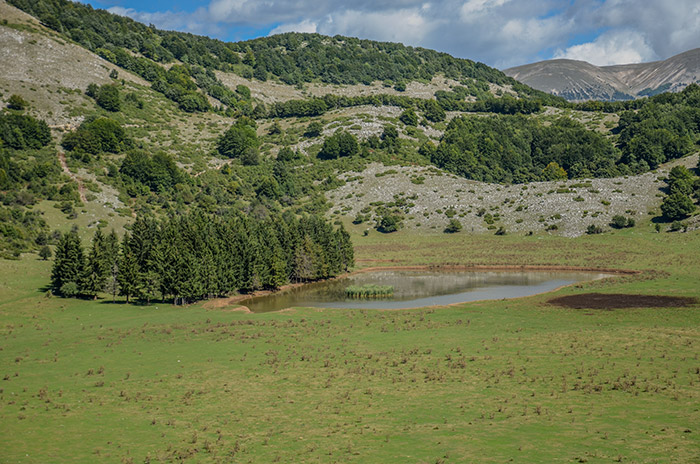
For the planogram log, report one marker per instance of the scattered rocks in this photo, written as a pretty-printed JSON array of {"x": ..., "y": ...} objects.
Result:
[{"x": 428, "y": 196}]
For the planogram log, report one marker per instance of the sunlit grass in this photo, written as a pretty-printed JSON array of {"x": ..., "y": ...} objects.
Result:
[{"x": 520, "y": 380}]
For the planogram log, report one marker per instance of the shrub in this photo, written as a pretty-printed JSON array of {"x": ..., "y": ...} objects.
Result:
[
  {"x": 92, "y": 89},
  {"x": 389, "y": 223},
  {"x": 108, "y": 97},
  {"x": 433, "y": 111},
  {"x": 340, "y": 144},
  {"x": 677, "y": 206},
  {"x": 192, "y": 102},
  {"x": 359, "y": 219},
  {"x": 314, "y": 129},
  {"x": 243, "y": 91},
  {"x": 45, "y": 252},
  {"x": 16, "y": 102},
  {"x": 158, "y": 172},
  {"x": 618, "y": 221},
  {"x": 19, "y": 131},
  {"x": 409, "y": 117},
  {"x": 69, "y": 289},
  {"x": 238, "y": 139},
  {"x": 97, "y": 135},
  {"x": 594, "y": 229},
  {"x": 554, "y": 172},
  {"x": 453, "y": 227}
]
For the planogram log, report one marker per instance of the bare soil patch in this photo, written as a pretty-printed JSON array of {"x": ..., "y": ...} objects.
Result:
[{"x": 621, "y": 301}]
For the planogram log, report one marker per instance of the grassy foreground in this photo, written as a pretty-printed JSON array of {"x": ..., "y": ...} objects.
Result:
[{"x": 84, "y": 381}]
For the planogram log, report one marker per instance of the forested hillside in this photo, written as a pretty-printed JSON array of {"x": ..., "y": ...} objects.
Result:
[{"x": 292, "y": 58}]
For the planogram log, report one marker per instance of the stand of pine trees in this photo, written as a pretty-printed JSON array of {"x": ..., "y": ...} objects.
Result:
[{"x": 197, "y": 256}]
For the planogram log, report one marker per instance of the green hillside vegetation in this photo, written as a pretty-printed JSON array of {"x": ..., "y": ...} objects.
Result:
[
  {"x": 519, "y": 149},
  {"x": 292, "y": 58},
  {"x": 163, "y": 156}
]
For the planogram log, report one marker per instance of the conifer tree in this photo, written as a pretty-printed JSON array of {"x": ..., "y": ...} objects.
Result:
[
  {"x": 128, "y": 270},
  {"x": 346, "y": 254},
  {"x": 306, "y": 258},
  {"x": 112, "y": 260},
  {"x": 68, "y": 266},
  {"x": 198, "y": 256},
  {"x": 97, "y": 267}
]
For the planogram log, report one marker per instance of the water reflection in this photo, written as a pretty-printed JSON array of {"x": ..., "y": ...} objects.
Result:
[{"x": 416, "y": 289}]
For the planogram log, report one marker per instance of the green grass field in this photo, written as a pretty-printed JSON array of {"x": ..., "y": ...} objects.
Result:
[{"x": 496, "y": 381}]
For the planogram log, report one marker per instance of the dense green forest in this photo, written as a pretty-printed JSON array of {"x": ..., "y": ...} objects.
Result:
[
  {"x": 520, "y": 149},
  {"x": 198, "y": 256},
  {"x": 293, "y": 57}
]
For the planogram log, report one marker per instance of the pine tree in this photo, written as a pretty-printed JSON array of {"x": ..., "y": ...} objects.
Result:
[
  {"x": 112, "y": 260},
  {"x": 128, "y": 271},
  {"x": 97, "y": 267},
  {"x": 68, "y": 265},
  {"x": 273, "y": 265},
  {"x": 166, "y": 263},
  {"x": 306, "y": 259},
  {"x": 346, "y": 253},
  {"x": 45, "y": 252}
]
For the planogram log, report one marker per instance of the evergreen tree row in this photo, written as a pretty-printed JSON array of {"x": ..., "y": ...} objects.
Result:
[{"x": 198, "y": 256}]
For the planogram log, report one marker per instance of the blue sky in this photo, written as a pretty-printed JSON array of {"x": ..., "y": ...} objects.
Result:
[{"x": 501, "y": 33}]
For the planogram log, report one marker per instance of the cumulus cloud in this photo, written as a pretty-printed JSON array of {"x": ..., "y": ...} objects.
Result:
[
  {"x": 473, "y": 8},
  {"x": 407, "y": 26},
  {"x": 303, "y": 26},
  {"x": 197, "y": 22},
  {"x": 619, "y": 47},
  {"x": 501, "y": 33}
]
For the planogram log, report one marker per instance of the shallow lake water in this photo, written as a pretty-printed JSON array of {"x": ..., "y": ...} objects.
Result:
[{"x": 417, "y": 289}]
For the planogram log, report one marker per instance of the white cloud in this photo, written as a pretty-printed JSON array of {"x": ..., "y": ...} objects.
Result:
[
  {"x": 475, "y": 8},
  {"x": 303, "y": 26},
  {"x": 196, "y": 22},
  {"x": 406, "y": 26},
  {"x": 619, "y": 47}
]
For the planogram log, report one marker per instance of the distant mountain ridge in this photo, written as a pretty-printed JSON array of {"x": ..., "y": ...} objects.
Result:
[{"x": 579, "y": 80}]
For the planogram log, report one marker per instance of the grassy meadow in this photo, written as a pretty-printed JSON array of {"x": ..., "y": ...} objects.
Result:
[{"x": 494, "y": 381}]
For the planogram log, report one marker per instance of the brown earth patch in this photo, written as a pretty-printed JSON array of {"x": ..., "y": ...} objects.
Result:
[{"x": 608, "y": 301}]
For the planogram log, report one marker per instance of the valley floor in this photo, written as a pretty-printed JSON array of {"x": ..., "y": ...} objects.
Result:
[{"x": 492, "y": 381}]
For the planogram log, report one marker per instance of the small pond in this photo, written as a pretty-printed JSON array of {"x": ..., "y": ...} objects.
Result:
[{"x": 417, "y": 289}]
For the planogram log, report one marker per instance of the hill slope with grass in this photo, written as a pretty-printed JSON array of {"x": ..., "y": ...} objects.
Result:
[{"x": 151, "y": 128}]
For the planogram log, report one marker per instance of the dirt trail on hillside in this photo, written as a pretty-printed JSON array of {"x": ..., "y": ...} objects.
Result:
[{"x": 64, "y": 165}]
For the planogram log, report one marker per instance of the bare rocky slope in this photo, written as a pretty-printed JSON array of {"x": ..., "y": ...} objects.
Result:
[
  {"x": 579, "y": 80},
  {"x": 49, "y": 71},
  {"x": 429, "y": 198}
]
